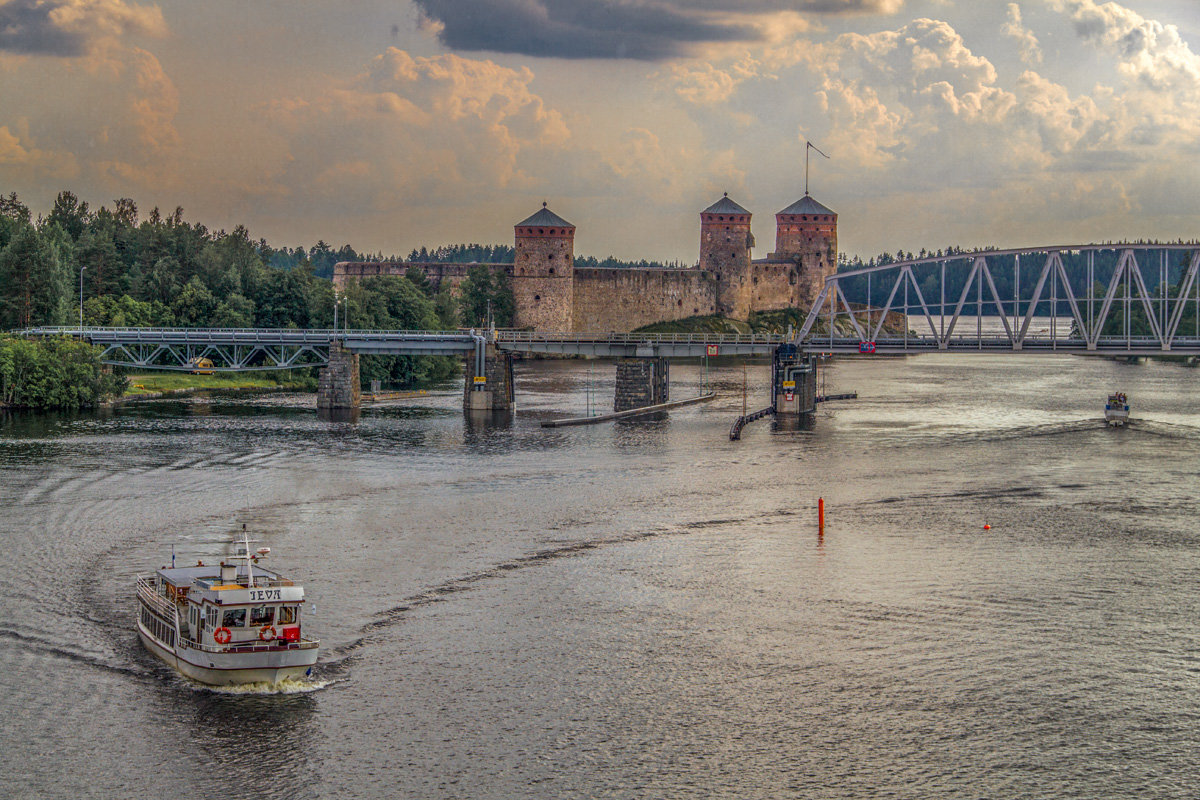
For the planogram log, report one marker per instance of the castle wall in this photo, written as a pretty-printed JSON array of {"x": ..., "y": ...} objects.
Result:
[
  {"x": 624, "y": 299},
  {"x": 550, "y": 294}
]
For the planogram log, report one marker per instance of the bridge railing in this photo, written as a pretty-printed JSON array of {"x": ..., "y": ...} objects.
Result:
[
  {"x": 75, "y": 330},
  {"x": 641, "y": 338}
]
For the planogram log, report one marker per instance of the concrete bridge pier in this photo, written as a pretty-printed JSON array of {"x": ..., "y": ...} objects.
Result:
[
  {"x": 793, "y": 387},
  {"x": 494, "y": 393},
  {"x": 338, "y": 385},
  {"x": 641, "y": 382}
]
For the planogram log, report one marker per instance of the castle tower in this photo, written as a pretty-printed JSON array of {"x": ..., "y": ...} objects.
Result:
[
  {"x": 543, "y": 276},
  {"x": 806, "y": 235},
  {"x": 725, "y": 242}
]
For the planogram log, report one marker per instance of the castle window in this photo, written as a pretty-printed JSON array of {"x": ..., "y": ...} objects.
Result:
[
  {"x": 540, "y": 230},
  {"x": 680, "y": 302},
  {"x": 537, "y": 297},
  {"x": 722, "y": 219},
  {"x": 552, "y": 270}
]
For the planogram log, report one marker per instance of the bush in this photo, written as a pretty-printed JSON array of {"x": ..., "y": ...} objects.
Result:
[{"x": 54, "y": 373}]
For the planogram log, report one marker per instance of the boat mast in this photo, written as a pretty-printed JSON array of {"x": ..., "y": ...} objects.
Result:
[{"x": 246, "y": 553}]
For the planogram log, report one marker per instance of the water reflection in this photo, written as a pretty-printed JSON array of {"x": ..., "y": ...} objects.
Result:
[{"x": 339, "y": 415}]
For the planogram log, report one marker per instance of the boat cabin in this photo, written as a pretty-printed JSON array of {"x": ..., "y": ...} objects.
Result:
[{"x": 222, "y": 605}]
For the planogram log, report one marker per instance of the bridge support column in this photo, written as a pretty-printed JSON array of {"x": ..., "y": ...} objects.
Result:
[
  {"x": 495, "y": 392},
  {"x": 794, "y": 384},
  {"x": 641, "y": 382},
  {"x": 338, "y": 383}
]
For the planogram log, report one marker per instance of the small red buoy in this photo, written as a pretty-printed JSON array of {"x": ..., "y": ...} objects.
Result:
[{"x": 987, "y": 527}]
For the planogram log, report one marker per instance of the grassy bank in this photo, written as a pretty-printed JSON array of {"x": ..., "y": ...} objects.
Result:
[{"x": 151, "y": 383}]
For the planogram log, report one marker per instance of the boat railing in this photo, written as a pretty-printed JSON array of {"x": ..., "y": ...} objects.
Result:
[
  {"x": 251, "y": 647},
  {"x": 152, "y": 598}
]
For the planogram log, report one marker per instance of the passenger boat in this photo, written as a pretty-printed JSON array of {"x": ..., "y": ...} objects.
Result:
[
  {"x": 1116, "y": 410},
  {"x": 235, "y": 622}
]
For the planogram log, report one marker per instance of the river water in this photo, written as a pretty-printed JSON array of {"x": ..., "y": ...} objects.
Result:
[{"x": 642, "y": 609}]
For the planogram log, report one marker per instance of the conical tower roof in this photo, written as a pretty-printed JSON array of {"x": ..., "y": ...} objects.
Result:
[
  {"x": 725, "y": 206},
  {"x": 545, "y": 218},
  {"x": 806, "y": 205}
]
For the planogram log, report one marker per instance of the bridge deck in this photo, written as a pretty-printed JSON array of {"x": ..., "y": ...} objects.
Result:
[{"x": 238, "y": 349}]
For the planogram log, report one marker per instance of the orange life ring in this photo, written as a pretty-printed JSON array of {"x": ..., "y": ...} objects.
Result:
[
  {"x": 267, "y": 634},
  {"x": 222, "y": 635}
]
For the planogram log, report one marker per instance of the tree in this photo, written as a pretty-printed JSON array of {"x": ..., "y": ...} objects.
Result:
[
  {"x": 475, "y": 292},
  {"x": 14, "y": 215},
  {"x": 417, "y": 278},
  {"x": 483, "y": 289},
  {"x": 282, "y": 300},
  {"x": 96, "y": 253},
  {"x": 195, "y": 306},
  {"x": 34, "y": 284},
  {"x": 234, "y": 312},
  {"x": 69, "y": 214}
]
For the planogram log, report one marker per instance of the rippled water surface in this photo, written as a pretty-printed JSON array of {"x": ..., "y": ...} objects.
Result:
[{"x": 641, "y": 609}]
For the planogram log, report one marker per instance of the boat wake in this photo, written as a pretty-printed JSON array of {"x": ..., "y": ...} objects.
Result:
[{"x": 286, "y": 686}]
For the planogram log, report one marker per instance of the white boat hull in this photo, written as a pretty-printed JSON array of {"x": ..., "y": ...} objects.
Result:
[{"x": 232, "y": 669}]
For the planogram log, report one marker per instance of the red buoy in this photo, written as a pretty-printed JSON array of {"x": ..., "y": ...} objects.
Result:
[{"x": 987, "y": 527}]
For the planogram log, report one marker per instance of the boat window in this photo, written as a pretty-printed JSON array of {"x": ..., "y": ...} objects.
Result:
[
  {"x": 234, "y": 618},
  {"x": 287, "y": 615},
  {"x": 262, "y": 615},
  {"x": 211, "y": 613}
]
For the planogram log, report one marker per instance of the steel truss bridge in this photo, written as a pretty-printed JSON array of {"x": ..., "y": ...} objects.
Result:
[
  {"x": 941, "y": 295},
  {"x": 933, "y": 295},
  {"x": 247, "y": 349}
]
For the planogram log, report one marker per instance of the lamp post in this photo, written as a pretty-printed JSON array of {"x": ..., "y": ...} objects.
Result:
[{"x": 81, "y": 269}]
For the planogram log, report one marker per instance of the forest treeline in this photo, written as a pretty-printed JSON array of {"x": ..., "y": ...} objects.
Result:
[{"x": 163, "y": 270}]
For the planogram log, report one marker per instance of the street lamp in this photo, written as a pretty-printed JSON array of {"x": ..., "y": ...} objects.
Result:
[{"x": 81, "y": 269}]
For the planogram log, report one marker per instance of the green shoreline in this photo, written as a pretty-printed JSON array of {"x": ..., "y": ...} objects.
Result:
[{"x": 152, "y": 385}]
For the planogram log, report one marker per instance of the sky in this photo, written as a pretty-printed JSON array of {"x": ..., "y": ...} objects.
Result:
[{"x": 396, "y": 124}]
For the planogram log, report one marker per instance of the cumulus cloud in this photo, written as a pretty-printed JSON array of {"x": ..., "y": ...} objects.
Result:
[
  {"x": 635, "y": 29},
  {"x": 702, "y": 83},
  {"x": 430, "y": 129},
  {"x": 886, "y": 92},
  {"x": 19, "y": 156},
  {"x": 1027, "y": 42},
  {"x": 1149, "y": 52},
  {"x": 72, "y": 27}
]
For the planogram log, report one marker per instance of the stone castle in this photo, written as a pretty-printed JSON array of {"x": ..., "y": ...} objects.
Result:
[{"x": 552, "y": 294}]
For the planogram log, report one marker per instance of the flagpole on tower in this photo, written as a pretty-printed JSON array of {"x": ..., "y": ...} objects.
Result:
[{"x": 808, "y": 146}]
